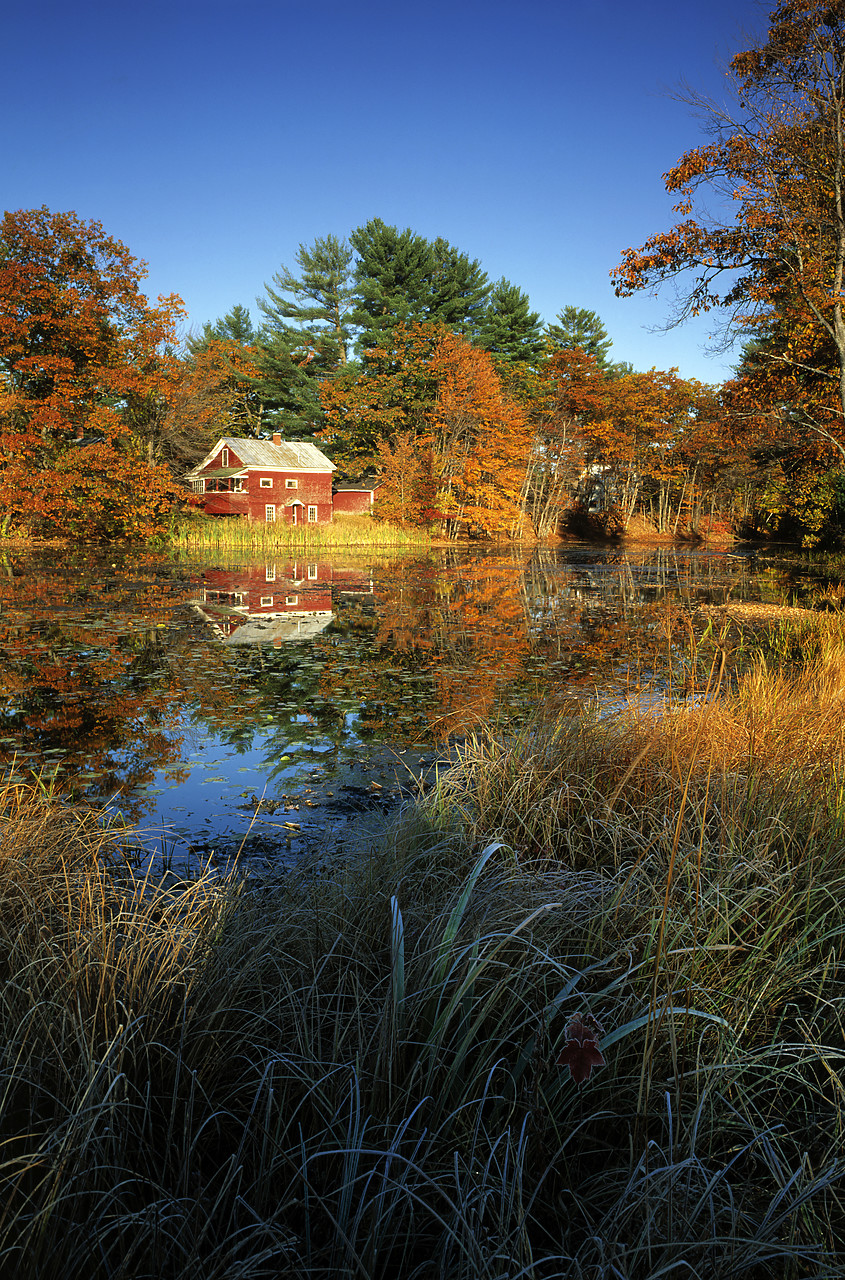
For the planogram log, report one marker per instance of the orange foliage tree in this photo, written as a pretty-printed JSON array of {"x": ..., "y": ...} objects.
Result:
[
  {"x": 214, "y": 395},
  {"x": 776, "y": 262},
  {"x": 82, "y": 356},
  {"x": 619, "y": 439},
  {"x": 430, "y": 412},
  {"x": 481, "y": 442}
]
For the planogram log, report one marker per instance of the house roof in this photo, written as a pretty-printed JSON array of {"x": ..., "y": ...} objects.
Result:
[
  {"x": 291, "y": 455},
  {"x": 224, "y": 473}
]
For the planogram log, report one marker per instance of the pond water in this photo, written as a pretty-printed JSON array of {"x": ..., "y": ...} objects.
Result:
[{"x": 182, "y": 694}]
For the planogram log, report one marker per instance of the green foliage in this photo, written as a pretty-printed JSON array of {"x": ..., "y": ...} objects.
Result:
[
  {"x": 235, "y": 326},
  {"x": 392, "y": 280},
  {"x": 310, "y": 310},
  {"x": 582, "y": 329},
  {"x": 511, "y": 330},
  {"x": 305, "y": 335},
  {"x": 402, "y": 278},
  {"x": 460, "y": 290}
]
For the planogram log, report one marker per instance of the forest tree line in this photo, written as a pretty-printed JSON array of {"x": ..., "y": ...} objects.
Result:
[{"x": 403, "y": 361}]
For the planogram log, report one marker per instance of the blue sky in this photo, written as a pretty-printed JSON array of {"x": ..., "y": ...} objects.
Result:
[{"x": 213, "y": 138}]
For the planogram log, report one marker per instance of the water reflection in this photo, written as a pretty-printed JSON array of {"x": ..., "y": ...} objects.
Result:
[
  {"x": 267, "y": 604},
  {"x": 181, "y": 694}
]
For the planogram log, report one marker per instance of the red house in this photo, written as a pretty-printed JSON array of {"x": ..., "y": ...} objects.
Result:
[
  {"x": 355, "y": 499},
  {"x": 283, "y": 480}
]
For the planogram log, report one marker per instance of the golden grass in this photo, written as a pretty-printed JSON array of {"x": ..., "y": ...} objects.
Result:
[{"x": 344, "y": 531}]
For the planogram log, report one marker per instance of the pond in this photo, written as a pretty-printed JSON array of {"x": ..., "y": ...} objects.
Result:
[{"x": 265, "y": 707}]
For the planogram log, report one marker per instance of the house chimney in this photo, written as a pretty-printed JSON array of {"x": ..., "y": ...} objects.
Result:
[{"x": 277, "y": 439}]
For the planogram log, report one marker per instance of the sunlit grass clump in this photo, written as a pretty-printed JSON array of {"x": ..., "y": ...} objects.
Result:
[
  {"x": 579, "y": 1013},
  {"x": 345, "y": 531}
]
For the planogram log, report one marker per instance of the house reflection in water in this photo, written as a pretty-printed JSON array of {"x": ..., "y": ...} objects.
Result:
[{"x": 274, "y": 602}]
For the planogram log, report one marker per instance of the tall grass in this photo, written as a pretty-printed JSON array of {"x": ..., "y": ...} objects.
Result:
[
  {"x": 345, "y": 531},
  {"x": 356, "y": 1075}
]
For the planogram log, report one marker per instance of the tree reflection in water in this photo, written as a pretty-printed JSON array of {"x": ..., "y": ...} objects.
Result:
[{"x": 122, "y": 680}]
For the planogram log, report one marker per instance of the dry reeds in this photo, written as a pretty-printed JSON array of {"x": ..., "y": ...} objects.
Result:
[{"x": 344, "y": 532}]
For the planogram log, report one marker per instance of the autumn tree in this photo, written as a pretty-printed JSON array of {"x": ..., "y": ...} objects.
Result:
[
  {"x": 83, "y": 356},
  {"x": 429, "y": 410},
  {"x": 481, "y": 442},
  {"x": 390, "y": 394},
  {"x": 215, "y": 394},
  {"x": 407, "y": 480},
  {"x": 571, "y": 394},
  {"x": 775, "y": 268}
]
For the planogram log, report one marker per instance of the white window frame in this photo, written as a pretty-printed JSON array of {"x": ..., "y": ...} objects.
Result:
[
  {"x": 224, "y": 457},
  {"x": 266, "y": 602},
  {"x": 312, "y": 515},
  {"x": 266, "y": 482},
  {"x": 291, "y": 484},
  {"x": 270, "y": 513},
  {"x": 269, "y": 573},
  {"x": 313, "y": 569},
  {"x": 291, "y": 599}
]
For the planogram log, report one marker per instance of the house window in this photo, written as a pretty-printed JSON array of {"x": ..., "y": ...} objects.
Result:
[
  {"x": 198, "y": 486},
  {"x": 266, "y": 482},
  {"x": 224, "y": 457},
  {"x": 269, "y": 573},
  {"x": 291, "y": 484},
  {"x": 291, "y": 599},
  {"x": 312, "y": 515},
  {"x": 266, "y": 602},
  {"x": 238, "y": 486},
  {"x": 270, "y": 512},
  {"x": 312, "y": 572}
]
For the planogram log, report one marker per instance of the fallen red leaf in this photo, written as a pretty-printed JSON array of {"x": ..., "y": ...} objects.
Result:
[{"x": 581, "y": 1053}]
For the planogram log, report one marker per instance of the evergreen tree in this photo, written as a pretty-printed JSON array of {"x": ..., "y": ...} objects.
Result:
[
  {"x": 393, "y": 280},
  {"x": 306, "y": 333},
  {"x": 287, "y": 381},
  {"x": 312, "y": 309},
  {"x": 511, "y": 330},
  {"x": 402, "y": 278},
  {"x": 582, "y": 330},
  {"x": 235, "y": 326},
  {"x": 460, "y": 289}
]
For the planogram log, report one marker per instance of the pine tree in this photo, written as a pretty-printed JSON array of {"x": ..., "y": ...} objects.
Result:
[
  {"x": 312, "y": 309},
  {"x": 511, "y": 330},
  {"x": 393, "y": 280},
  {"x": 306, "y": 333},
  {"x": 581, "y": 330},
  {"x": 460, "y": 290},
  {"x": 235, "y": 326}
]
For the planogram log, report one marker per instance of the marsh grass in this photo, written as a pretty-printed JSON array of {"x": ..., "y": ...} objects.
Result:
[
  {"x": 355, "y": 1075},
  {"x": 344, "y": 532}
]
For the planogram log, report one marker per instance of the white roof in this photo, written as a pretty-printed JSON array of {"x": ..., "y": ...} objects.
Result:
[{"x": 287, "y": 456}]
